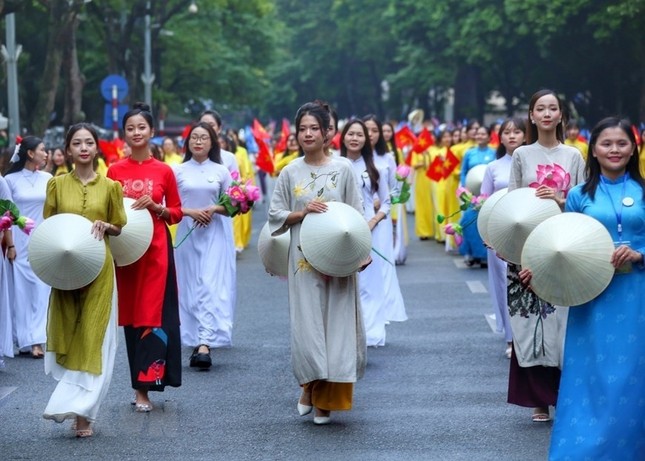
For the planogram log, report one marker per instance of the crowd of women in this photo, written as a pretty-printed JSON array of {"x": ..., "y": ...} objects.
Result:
[
  {"x": 589, "y": 368},
  {"x": 597, "y": 390}
]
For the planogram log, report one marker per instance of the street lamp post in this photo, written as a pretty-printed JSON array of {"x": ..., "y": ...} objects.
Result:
[
  {"x": 11, "y": 52},
  {"x": 147, "y": 77}
]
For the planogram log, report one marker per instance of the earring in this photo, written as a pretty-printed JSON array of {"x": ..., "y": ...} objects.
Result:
[{"x": 533, "y": 121}]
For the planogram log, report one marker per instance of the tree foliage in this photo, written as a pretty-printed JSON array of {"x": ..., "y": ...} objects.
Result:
[{"x": 266, "y": 57}]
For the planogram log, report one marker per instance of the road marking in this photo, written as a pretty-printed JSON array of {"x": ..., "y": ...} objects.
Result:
[
  {"x": 459, "y": 262},
  {"x": 6, "y": 390},
  {"x": 492, "y": 322},
  {"x": 476, "y": 286}
]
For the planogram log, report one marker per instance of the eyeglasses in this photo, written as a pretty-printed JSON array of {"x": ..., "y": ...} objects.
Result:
[{"x": 202, "y": 139}]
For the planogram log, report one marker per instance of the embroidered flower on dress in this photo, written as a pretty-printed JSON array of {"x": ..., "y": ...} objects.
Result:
[
  {"x": 303, "y": 265},
  {"x": 298, "y": 190},
  {"x": 553, "y": 176}
]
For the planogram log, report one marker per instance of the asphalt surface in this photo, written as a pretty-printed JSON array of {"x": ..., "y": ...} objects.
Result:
[{"x": 436, "y": 391}]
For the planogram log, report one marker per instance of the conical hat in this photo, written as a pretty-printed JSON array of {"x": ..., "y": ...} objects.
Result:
[
  {"x": 336, "y": 242},
  {"x": 513, "y": 218},
  {"x": 135, "y": 237},
  {"x": 569, "y": 256},
  {"x": 485, "y": 210},
  {"x": 64, "y": 254},
  {"x": 274, "y": 251},
  {"x": 474, "y": 178},
  {"x": 416, "y": 116}
]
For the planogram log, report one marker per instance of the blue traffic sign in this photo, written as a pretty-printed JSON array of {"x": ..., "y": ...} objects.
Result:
[
  {"x": 111, "y": 81},
  {"x": 108, "y": 117}
]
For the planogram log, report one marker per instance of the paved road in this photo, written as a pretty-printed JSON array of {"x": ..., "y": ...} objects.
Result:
[{"x": 436, "y": 391}]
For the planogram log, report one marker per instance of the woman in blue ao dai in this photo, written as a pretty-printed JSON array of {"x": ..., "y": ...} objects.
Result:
[
  {"x": 473, "y": 247},
  {"x": 600, "y": 404},
  {"x": 355, "y": 145}
]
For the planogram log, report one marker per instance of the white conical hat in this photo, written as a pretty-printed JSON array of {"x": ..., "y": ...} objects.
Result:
[
  {"x": 416, "y": 116},
  {"x": 485, "y": 210},
  {"x": 336, "y": 242},
  {"x": 274, "y": 251},
  {"x": 513, "y": 218},
  {"x": 64, "y": 254},
  {"x": 569, "y": 256},
  {"x": 135, "y": 237},
  {"x": 474, "y": 178}
]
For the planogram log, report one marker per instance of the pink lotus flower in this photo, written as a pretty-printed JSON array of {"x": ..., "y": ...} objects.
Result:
[
  {"x": 402, "y": 172},
  {"x": 10, "y": 211},
  {"x": 553, "y": 176},
  {"x": 478, "y": 200},
  {"x": 235, "y": 175},
  {"x": 236, "y": 193},
  {"x": 252, "y": 193},
  {"x": 453, "y": 229},
  {"x": 244, "y": 207},
  {"x": 458, "y": 239},
  {"x": 462, "y": 190},
  {"x": 6, "y": 222},
  {"x": 28, "y": 225}
]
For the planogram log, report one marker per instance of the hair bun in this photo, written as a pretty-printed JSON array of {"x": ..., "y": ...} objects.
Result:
[{"x": 141, "y": 106}]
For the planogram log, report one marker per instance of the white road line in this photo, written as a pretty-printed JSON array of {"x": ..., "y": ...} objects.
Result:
[
  {"x": 459, "y": 263},
  {"x": 5, "y": 391},
  {"x": 492, "y": 322},
  {"x": 476, "y": 286}
]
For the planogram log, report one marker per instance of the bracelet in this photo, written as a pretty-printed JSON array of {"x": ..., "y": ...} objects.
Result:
[
  {"x": 10, "y": 246},
  {"x": 161, "y": 211}
]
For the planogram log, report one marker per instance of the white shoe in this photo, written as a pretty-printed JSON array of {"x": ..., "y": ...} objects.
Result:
[
  {"x": 304, "y": 409},
  {"x": 322, "y": 420}
]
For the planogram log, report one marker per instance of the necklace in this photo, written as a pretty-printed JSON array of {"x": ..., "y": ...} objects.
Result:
[{"x": 29, "y": 176}]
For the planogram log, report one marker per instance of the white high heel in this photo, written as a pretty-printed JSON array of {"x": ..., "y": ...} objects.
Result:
[
  {"x": 322, "y": 420},
  {"x": 304, "y": 409}
]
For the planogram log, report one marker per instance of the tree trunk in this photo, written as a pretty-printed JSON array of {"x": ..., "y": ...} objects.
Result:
[
  {"x": 75, "y": 82},
  {"x": 61, "y": 19},
  {"x": 468, "y": 99}
]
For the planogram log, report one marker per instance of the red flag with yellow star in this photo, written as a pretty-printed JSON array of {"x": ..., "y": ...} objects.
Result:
[
  {"x": 424, "y": 141},
  {"x": 281, "y": 146},
  {"x": 435, "y": 171},
  {"x": 259, "y": 131},
  {"x": 405, "y": 137},
  {"x": 450, "y": 163},
  {"x": 264, "y": 159},
  {"x": 636, "y": 135}
]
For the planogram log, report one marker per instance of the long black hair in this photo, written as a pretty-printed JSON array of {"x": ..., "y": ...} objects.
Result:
[
  {"x": 381, "y": 147},
  {"x": 28, "y": 143},
  {"x": 592, "y": 168},
  {"x": 214, "y": 152},
  {"x": 517, "y": 122},
  {"x": 532, "y": 131},
  {"x": 213, "y": 113},
  {"x": 366, "y": 152},
  {"x": 398, "y": 155},
  {"x": 317, "y": 110}
]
